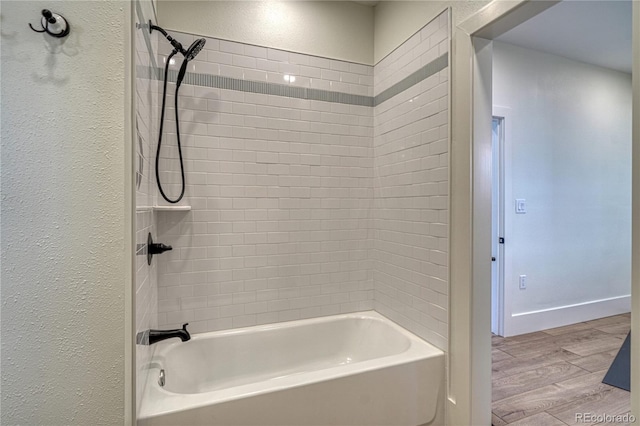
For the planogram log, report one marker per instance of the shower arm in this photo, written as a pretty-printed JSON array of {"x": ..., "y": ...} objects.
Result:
[
  {"x": 157, "y": 28},
  {"x": 175, "y": 43}
]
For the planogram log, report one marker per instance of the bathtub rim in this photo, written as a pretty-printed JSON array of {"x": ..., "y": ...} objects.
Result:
[{"x": 157, "y": 401}]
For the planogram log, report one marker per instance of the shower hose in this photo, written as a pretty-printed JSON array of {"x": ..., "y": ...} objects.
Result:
[{"x": 164, "y": 97}]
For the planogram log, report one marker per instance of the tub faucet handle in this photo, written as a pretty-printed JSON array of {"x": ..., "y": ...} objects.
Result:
[{"x": 155, "y": 248}]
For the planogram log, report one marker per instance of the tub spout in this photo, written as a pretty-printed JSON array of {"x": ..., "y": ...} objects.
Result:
[{"x": 149, "y": 337}]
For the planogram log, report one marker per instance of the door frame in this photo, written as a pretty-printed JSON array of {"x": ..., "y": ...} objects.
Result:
[{"x": 468, "y": 399}]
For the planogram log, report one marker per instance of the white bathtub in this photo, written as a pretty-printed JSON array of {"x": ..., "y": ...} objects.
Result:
[{"x": 353, "y": 369}]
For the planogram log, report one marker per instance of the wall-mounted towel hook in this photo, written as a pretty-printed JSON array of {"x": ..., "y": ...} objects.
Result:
[{"x": 53, "y": 24}]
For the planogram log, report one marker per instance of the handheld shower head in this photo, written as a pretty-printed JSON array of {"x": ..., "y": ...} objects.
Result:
[
  {"x": 189, "y": 54},
  {"x": 194, "y": 49}
]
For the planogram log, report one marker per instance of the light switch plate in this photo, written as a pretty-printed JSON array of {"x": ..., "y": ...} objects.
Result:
[
  {"x": 522, "y": 282},
  {"x": 521, "y": 205}
]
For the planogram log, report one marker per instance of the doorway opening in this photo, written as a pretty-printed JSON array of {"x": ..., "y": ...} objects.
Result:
[{"x": 561, "y": 207}]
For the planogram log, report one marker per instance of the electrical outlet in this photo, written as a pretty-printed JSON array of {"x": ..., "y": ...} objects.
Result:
[{"x": 522, "y": 282}]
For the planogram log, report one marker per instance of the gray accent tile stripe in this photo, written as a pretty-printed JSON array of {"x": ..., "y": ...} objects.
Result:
[
  {"x": 428, "y": 70},
  {"x": 221, "y": 82}
]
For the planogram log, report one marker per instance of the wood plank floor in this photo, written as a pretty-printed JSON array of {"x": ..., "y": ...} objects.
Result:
[{"x": 547, "y": 377}]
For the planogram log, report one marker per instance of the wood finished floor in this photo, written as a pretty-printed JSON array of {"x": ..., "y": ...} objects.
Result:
[{"x": 545, "y": 378}]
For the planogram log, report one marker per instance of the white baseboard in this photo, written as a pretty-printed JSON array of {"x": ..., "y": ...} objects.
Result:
[{"x": 528, "y": 322}]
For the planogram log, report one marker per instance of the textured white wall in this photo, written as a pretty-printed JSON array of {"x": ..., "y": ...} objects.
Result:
[
  {"x": 396, "y": 21},
  {"x": 63, "y": 215},
  {"x": 569, "y": 156},
  {"x": 333, "y": 29}
]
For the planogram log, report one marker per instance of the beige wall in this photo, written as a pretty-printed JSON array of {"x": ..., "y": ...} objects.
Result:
[
  {"x": 396, "y": 21},
  {"x": 64, "y": 220},
  {"x": 335, "y": 29}
]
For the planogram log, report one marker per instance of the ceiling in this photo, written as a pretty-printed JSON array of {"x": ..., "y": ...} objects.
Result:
[{"x": 595, "y": 32}]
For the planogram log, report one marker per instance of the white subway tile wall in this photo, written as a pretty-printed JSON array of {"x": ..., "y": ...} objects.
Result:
[
  {"x": 302, "y": 208},
  {"x": 280, "y": 189},
  {"x": 146, "y": 108},
  {"x": 411, "y": 188}
]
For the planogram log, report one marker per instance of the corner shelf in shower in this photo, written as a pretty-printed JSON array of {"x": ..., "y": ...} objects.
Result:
[
  {"x": 163, "y": 208},
  {"x": 171, "y": 208}
]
